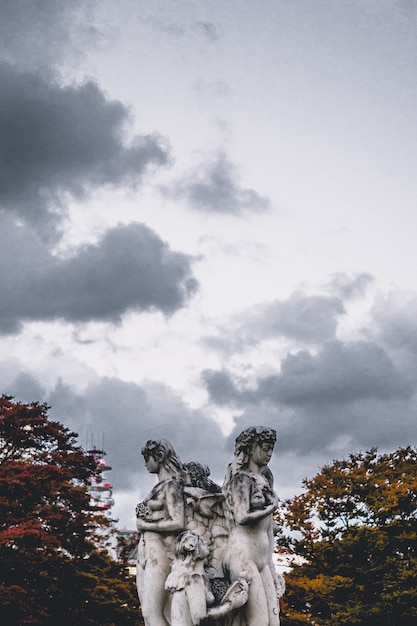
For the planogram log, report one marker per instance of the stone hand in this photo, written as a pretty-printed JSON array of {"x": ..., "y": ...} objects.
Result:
[{"x": 237, "y": 594}]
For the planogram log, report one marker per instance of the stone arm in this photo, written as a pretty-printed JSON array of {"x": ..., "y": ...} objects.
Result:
[
  {"x": 196, "y": 598},
  {"x": 241, "y": 488},
  {"x": 174, "y": 519}
]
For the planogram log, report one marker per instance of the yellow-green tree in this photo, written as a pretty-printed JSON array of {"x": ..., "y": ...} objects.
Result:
[{"x": 354, "y": 533}]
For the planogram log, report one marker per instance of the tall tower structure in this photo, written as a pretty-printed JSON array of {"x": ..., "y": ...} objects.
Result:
[{"x": 100, "y": 489}]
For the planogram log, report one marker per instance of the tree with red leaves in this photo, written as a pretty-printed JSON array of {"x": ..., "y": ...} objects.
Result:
[{"x": 54, "y": 568}]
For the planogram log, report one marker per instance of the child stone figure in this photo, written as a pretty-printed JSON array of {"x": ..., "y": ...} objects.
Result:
[{"x": 190, "y": 586}]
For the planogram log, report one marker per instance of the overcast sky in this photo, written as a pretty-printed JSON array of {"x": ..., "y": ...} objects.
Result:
[{"x": 208, "y": 217}]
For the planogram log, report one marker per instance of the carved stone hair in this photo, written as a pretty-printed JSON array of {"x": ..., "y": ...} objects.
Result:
[
  {"x": 254, "y": 434},
  {"x": 189, "y": 548},
  {"x": 190, "y": 544},
  {"x": 199, "y": 477},
  {"x": 243, "y": 449},
  {"x": 163, "y": 452}
]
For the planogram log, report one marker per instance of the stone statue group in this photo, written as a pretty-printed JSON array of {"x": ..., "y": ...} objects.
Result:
[{"x": 205, "y": 552}]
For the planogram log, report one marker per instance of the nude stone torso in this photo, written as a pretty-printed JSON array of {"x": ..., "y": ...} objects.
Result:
[
  {"x": 249, "y": 543},
  {"x": 159, "y": 518},
  {"x": 156, "y": 501},
  {"x": 250, "y": 504}
]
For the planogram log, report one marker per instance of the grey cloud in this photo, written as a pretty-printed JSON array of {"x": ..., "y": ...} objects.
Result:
[
  {"x": 130, "y": 268},
  {"x": 347, "y": 396},
  {"x": 347, "y": 287},
  {"x": 200, "y": 29},
  {"x": 124, "y": 415},
  {"x": 127, "y": 415},
  {"x": 70, "y": 408},
  {"x": 57, "y": 140},
  {"x": 41, "y": 35},
  {"x": 340, "y": 373},
  {"x": 214, "y": 188},
  {"x": 311, "y": 319},
  {"x": 25, "y": 387},
  {"x": 208, "y": 29},
  {"x": 333, "y": 432},
  {"x": 395, "y": 319},
  {"x": 220, "y": 386},
  {"x": 301, "y": 318}
]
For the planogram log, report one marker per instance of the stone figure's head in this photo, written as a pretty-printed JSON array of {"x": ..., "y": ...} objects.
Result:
[
  {"x": 199, "y": 477},
  {"x": 160, "y": 453},
  {"x": 190, "y": 546},
  {"x": 255, "y": 440}
]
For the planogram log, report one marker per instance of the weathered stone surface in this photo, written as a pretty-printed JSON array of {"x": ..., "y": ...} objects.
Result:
[{"x": 205, "y": 553}]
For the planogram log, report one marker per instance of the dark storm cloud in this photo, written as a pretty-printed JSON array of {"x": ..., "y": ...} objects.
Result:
[
  {"x": 130, "y": 268},
  {"x": 214, "y": 188},
  {"x": 57, "y": 140}
]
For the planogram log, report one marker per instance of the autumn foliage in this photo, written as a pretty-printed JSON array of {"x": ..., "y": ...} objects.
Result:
[
  {"x": 54, "y": 568},
  {"x": 353, "y": 533}
]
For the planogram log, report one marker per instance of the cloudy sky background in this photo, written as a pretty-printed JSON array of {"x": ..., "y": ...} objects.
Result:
[{"x": 208, "y": 220}]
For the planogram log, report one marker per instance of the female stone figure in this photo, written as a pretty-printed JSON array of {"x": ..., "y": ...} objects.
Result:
[
  {"x": 160, "y": 518},
  {"x": 250, "y": 503}
]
